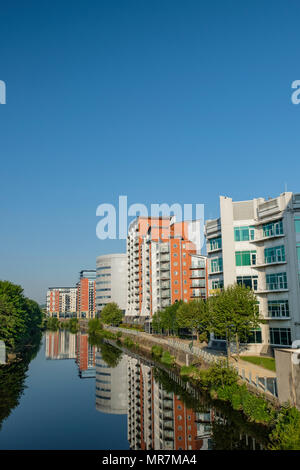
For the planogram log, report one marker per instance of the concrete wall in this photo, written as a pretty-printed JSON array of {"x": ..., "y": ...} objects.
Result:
[{"x": 288, "y": 375}]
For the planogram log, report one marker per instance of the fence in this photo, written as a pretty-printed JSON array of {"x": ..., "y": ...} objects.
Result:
[{"x": 267, "y": 385}]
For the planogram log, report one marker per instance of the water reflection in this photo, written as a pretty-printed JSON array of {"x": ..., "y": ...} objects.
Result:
[{"x": 163, "y": 412}]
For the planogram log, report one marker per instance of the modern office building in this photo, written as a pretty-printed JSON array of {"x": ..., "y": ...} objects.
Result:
[
  {"x": 86, "y": 294},
  {"x": 163, "y": 266},
  {"x": 111, "y": 386},
  {"x": 111, "y": 280},
  {"x": 61, "y": 301},
  {"x": 257, "y": 243}
]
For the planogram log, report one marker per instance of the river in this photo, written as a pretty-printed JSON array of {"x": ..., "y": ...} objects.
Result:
[{"x": 76, "y": 395}]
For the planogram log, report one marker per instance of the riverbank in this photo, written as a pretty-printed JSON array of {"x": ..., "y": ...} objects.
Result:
[{"x": 223, "y": 384}]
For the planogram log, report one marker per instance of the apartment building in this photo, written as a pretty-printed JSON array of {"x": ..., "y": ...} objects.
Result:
[
  {"x": 60, "y": 345},
  {"x": 257, "y": 243},
  {"x": 111, "y": 280},
  {"x": 163, "y": 266},
  {"x": 85, "y": 356},
  {"x": 61, "y": 301},
  {"x": 86, "y": 294}
]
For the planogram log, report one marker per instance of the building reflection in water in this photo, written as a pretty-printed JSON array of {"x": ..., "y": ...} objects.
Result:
[
  {"x": 158, "y": 418},
  {"x": 60, "y": 345},
  {"x": 111, "y": 386}
]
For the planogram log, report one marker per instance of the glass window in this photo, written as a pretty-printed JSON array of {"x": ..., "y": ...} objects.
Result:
[
  {"x": 242, "y": 234},
  {"x": 245, "y": 258},
  {"x": 216, "y": 265},
  {"x": 273, "y": 228},
  {"x": 275, "y": 254},
  {"x": 248, "y": 281},
  {"x": 278, "y": 308},
  {"x": 297, "y": 224},
  {"x": 280, "y": 336},
  {"x": 276, "y": 281},
  {"x": 215, "y": 243}
]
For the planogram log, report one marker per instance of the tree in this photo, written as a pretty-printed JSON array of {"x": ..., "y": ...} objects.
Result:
[
  {"x": 111, "y": 314},
  {"x": 166, "y": 319},
  {"x": 20, "y": 317},
  {"x": 234, "y": 313},
  {"x": 193, "y": 315}
]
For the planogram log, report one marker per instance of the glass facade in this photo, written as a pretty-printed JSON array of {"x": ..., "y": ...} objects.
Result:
[
  {"x": 275, "y": 254},
  {"x": 242, "y": 234},
  {"x": 297, "y": 223},
  {"x": 255, "y": 336},
  {"x": 215, "y": 243},
  {"x": 276, "y": 281},
  {"x": 245, "y": 258},
  {"x": 278, "y": 308},
  {"x": 248, "y": 281},
  {"x": 280, "y": 336},
  {"x": 273, "y": 228},
  {"x": 216, "y": 265}
]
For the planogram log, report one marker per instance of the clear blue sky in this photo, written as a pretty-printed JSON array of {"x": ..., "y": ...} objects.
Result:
[{"x": 160, "y": 100}]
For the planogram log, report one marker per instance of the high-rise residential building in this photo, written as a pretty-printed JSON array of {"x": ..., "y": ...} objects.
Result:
[
  {"x": 111, "y": 280},
  {"x": 257, "y": 243},
  {"x": 111, "y": 386},
  {"x": 86, "y": 294},
  {"x": 61, "y": 301},
  {"x": 163, "y": 265}
]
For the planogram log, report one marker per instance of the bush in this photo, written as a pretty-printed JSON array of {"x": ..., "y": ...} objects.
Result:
[
  {"x": 94, "y": 325},
  {"x": 128, "y": 343},
  {"x": 167, "y": 358},
  {"x": 286, "y": 434},
  {"x": 157, "y": 351}
]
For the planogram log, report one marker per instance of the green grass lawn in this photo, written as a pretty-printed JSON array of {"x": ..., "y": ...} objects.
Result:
[{"x": 266, "y": 362}]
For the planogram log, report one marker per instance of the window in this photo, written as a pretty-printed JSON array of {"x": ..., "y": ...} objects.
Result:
[
  {"x": 274, "y": 228},
  {"x": 242, "y": 234},
  {"x": 245, "y": 258},
  {"x": 174, "y": 254},
  {"x": 248, "y": 281},
  {"x": 278, "y": 308},
  {"x": 215, "y": 243},
  {"x": 297, "y": 224},
  {"x": 175, "y": 264},
  {"x": 275, "y": 254},
  {"x": 216, "y": 265},
  {"x": 217, "y": 284},
  {"x": 255, "y": 336},
  {"x": 276, "y": 281},
  {"x": 280, "y": 336}
]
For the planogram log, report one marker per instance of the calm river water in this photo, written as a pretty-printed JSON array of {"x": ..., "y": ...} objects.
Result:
[{"x": 71, "y": 394}]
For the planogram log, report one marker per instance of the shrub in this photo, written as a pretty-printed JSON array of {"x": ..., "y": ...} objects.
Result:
[
  {"x": 157, "y": 351},
  {"x": 167, "y": 358}
]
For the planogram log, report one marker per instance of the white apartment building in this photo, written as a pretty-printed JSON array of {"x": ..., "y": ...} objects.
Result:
[
  {"x": 61, "y": 301},
  {"x": 111, "y": 280},
  {"x": 257, "y": 243}
]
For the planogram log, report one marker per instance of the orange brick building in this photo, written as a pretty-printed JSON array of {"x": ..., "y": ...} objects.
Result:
[
  {"x": 163, "y": 266},
  {"x": 86, "y": 294}
]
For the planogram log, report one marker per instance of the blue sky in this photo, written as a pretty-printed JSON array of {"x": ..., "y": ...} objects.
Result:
[{"x": 162, "y": 101}]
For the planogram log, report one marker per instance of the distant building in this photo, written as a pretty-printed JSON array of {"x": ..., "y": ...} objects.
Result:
[
  {"x": 111, "y": 280},
  {"x": 85, "y": 357},
  {"x": 61, "y": 302},
  {"x": 86, "y": 294}
]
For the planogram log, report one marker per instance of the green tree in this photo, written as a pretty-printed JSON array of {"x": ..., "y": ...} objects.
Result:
[
  {"x": 193, "y": 315},
  {"x": 20, "y": 317},
  {"x": 234, "y": 313},
  {"x": 111, "y": 314}
]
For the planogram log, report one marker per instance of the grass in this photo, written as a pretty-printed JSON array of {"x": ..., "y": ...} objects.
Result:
[{"x": 266, "y": 362}]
